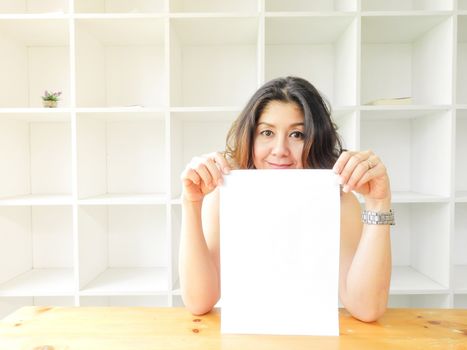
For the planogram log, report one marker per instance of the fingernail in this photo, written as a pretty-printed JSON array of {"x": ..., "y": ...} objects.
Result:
[
  {"x": 226, "y": 170},
  {"x": 341, "y": 180},
  {"x": 346, "y": 188}
]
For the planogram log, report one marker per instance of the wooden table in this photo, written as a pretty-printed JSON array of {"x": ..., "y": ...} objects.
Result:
[{"x": 123, "y": 328}]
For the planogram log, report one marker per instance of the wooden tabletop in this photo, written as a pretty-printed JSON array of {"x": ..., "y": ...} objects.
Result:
[{"x": 124, "y": 328}]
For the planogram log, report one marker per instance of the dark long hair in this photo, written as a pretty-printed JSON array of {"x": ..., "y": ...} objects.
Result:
[{"x": 322, "y": 144}]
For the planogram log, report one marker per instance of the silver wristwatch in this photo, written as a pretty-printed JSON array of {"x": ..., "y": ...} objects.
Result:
[{"x": 376, "y": 218}]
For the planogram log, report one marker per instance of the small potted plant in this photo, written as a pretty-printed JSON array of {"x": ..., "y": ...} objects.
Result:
[{"x": 50, "y": 99}]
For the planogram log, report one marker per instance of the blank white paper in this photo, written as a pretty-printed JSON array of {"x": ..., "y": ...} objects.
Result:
[{"x": 280, "y": 237}]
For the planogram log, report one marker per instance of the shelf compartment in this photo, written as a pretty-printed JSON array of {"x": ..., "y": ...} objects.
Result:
[
  {"x": 407, "y": 5},
  {"x": 420, "y": 246},
  {"x": 187, "y": 129},
  {"x": 462, "y": 59},
  {"x": 176, "y": 236},
  {"x": 34, "y": 200},
  {"x": 218, "y": 6},
  {"x": 37, "y": 154},
  {"x": 122, "y": 250},
  {"x": 120, "y": 63},
  {"x": 310, "y": 6},
  {"x": 321, "y": 49},
  {"x": 460, "y": 275},
  {"x": 430, "y": 301},
  {"x": 460, "y": 301},
  {"x": 396, "y": 57},
  {"x": 461, "y": 154},
  {"x": 119, "y": 6},
  {"x": 8, "y": 305},
  {"x": 121, "y": 158},
  {"x": 35, "y": 56},
  {"x": 205, "y": 53},
  {"x": 125, "y": 301},
  {"x": 347, "y": 125},
  {"x": 38, "y": 251},
  {"x": 34, "y": 6},
  {"x": 41, "y": 282},
  {"x": 459, "y": 248},
  {"x": 415, "y": 148},
  {"x": 122, "y": 199}
]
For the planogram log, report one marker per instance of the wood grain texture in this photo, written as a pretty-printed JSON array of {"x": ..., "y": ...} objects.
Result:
[{"x": 124, "y": 328}]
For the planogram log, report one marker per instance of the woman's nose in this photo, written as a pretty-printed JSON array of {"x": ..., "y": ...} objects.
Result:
[{"x": 280, "y": 147}]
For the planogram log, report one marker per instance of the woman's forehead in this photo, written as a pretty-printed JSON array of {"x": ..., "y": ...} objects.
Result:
[{"x": 281, "y": 112}]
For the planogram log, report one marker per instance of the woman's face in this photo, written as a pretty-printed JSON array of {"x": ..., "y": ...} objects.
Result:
[{"x": 278, "y": 142}]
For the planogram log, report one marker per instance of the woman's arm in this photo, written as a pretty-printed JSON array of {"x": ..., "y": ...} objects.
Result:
[
  {"x": 199, "y": 242},
  {"x": 365, "y": 267},
  {"x": 199, "y": 256},
  {"x": 365, "y": 262}
]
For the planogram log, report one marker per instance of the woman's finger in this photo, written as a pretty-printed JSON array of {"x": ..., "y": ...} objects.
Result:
[
  {"x": 360, "y": 170},
  {"x": 222, "y": 162},
  {"x": 190, "y": 175},
  {"x": 203, "y": 172},
  {"x": 351, "y": 164},
  {"x": 377, "y": 171},
  {"x": 341, "y": 161},
  {"x": 213, "y": 169}
]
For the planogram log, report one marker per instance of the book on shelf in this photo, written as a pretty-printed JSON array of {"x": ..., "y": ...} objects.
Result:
[{"x": 390, "y": 101}]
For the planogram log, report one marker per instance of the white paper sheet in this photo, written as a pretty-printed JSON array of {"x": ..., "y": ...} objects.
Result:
[{"x": 280, "y": 232}]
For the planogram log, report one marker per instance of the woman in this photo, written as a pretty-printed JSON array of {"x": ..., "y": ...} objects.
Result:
[{"x": 287, "y": 125}]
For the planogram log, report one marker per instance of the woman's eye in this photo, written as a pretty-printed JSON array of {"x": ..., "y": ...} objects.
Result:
[
  {"x": 266, "y": 132},
  {"x": 297, "y": 135}
]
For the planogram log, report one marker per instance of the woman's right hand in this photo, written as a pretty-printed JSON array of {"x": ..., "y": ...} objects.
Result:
[{"x": 202, "y": 175}]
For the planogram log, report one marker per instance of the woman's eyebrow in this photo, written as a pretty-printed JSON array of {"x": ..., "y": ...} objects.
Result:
[{"x": 272, "y": 125}]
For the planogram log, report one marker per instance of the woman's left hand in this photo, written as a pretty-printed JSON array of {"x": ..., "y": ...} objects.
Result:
[{"x": 364, "y": 173}]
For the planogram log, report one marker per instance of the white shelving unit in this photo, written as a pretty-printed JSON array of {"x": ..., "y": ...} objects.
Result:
[{"x": 90, "y": 191}]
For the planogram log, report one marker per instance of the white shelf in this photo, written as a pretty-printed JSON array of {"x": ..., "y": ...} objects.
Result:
[
  {"x": 54, "y": 199},
  {"x": 123, "y": 199},
  {"x": 120, "y": 153},
  {"x": 29, "y": 45},
  {"x": 213, "y": 6},
  {"x": 204, "y": 52},
  {"x": 123, "y": 249},
  {"x": 119, "y": 6},
  {"x": 310, "y": 6},
  {"x": 406, "y": 5},
  {"x": 398, "y": 49},
  {"x": 424, "y": 301},
  {"x": 135, "y": 281},
  {"x": 421, "y": 246},
  {"x": 149, "y": 84},
  {"x": 321, "y": 49},
  {"x": 462, "y": 59},
  {"x": 33, "y": 7},
  {"x": 407, "y": 280},
  {"x": 120, "y": 63},
  {"x": 461, "y": 196},
  {"x": 414, "y": 197},
  {"x": 416, "y": 148},
  {"x": 460, "y": 278},
  {"x": 41, "y": 282},
  {"x": 461, "y": 153}
]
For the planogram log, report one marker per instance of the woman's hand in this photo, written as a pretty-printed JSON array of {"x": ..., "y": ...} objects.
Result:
[
  {"x": 202, "y": 175},
  {"x": 364, "y": 173}
]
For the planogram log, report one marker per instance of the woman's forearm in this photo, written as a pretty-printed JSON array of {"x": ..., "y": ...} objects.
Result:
[
  {"x": 199, "y": 280},
  {"x": 369, "y": 276}
]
